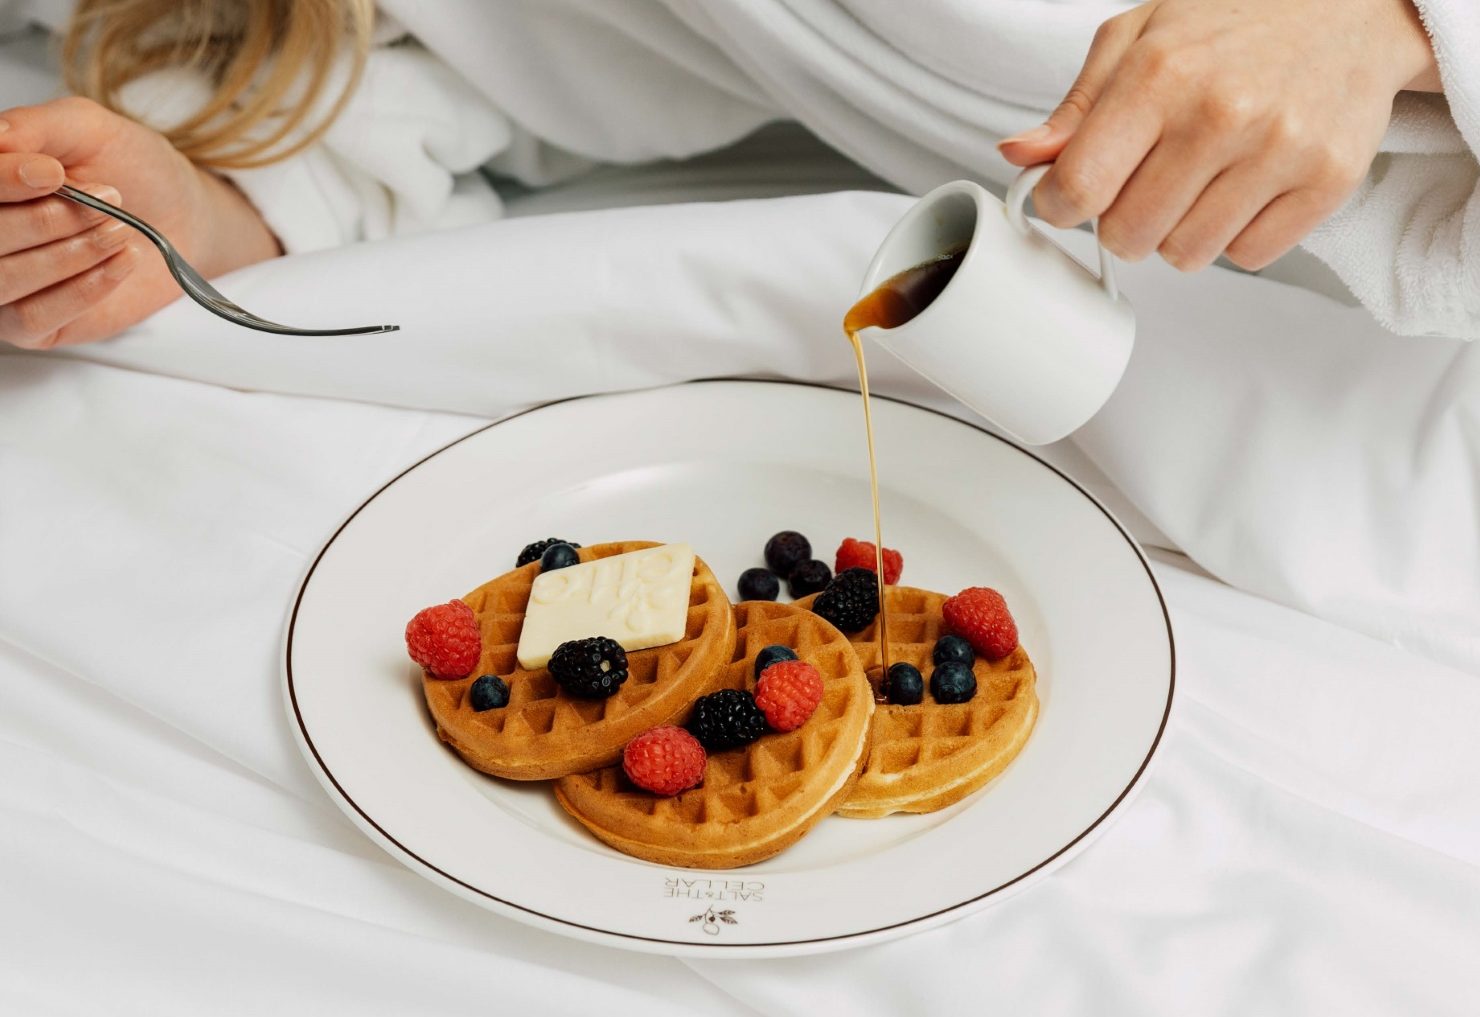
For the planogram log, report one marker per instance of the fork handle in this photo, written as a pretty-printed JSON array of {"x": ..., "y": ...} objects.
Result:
[
  {"x": 83, "y": 198},
  {"x": 195, "y": 287}
]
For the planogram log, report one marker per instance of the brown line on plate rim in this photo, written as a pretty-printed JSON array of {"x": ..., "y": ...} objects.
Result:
[{"x": 1135, "y": 778}]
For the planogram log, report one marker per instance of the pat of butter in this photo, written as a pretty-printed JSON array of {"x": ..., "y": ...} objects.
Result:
[{"x": 640, "y": 599}]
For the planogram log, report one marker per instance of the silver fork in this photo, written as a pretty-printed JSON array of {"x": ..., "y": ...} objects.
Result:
[{"x": 195, "y": 286}]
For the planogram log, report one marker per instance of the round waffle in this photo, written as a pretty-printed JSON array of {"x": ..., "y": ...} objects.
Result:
[
  {"x": 757, "y": 800},
  {"x": 927, "y": 756},
  {"x": 543, "y": 732}
]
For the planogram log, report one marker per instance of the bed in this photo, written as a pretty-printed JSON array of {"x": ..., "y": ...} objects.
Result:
[{"x": 1308, "y": 842}]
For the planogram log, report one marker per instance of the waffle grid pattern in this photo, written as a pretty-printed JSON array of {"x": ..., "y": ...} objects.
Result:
[
  {"x": 753, "y": 795},
  {"x": 543, "y": 732},
  {"x": 932, "y": 745}
]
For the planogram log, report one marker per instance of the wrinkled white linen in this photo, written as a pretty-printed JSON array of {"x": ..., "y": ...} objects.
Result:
[
  {"x": 917, "y": 93},
  {"x": 921, "y": 93},
  {"x": 1408, "y": 241},
  {"x": 1285, "y": 442},
  {"x": 163, "y": 848},
  {"x": 1307, "y": 843},
  {"x": 1309, "y": 840}
]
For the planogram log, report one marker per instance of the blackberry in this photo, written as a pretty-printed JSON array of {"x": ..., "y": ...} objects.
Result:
[
  {"x": 726, "y": 719},
  {"x": 953, "y": 682},
  {"x": 904, "y": 685},
  {"x": 953, "y": 648},
  {"x": 771, "y": 655},
  {"x": 558, "y": 556},
  {"x": 759, "y": 584},
  {"x": 489, "y": 692},
  {"x": 532, "y": 552},
  {"x": 808, "y": 577},
  {"x": 786, "y": 550},
  {"x": 589, "y": 668},
  {"x": 850, "y": 601}
]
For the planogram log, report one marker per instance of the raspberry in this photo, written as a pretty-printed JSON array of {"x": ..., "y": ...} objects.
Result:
[
  {"x": 788, "y": 692},
  {"x": 980, "y": 614},
  {"x": 861, "y": 554},
  {"x": 726, "y": 719},
  {"x": 445, "y": 640},
  {"x": 664, "y": 760},
  {"x": 850, "y": 601}
]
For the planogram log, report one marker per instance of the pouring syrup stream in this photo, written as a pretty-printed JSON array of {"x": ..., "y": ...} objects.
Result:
[{"x": 892, "y": 303}]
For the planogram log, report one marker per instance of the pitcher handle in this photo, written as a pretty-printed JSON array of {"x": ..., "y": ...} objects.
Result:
[{"x": 1017, "y": 197}]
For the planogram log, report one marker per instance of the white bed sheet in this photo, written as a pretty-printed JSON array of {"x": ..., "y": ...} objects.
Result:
[{"x": 1309, "y": 841}]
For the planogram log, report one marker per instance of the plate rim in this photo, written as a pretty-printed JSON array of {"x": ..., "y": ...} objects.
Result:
[{"x": 633, "y": 941}]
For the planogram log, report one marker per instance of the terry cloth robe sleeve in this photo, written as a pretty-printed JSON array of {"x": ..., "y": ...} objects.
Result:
[
  {"x": 402, "y": 157},
  {"x": 1408, "y": 242}
]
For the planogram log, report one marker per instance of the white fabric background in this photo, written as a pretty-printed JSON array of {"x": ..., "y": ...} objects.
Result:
[
  {"x": 1308, "y": 843},
  {"x": 919, "y": 94},
  {"x": 1285, "y": 442},
  {"x": 1309, "y": 840}
]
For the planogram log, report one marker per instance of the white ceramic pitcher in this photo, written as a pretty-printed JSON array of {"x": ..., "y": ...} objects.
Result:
[{"x": 1023, "y": 333}]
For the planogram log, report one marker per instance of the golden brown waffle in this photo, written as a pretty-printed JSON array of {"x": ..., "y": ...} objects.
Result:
[
  {"x": 543, "y": 732},
  {"x": 757, "y": 800},
  {"x": 930, "y": 755}
]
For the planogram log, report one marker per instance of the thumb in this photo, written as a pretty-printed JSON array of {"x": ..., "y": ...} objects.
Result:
[{"x": 1044, "y": 142}]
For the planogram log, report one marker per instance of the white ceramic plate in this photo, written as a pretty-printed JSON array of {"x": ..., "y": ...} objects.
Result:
[{"x": 723, "y": 465}]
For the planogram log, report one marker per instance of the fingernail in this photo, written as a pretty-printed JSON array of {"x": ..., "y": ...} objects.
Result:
[
  {"x": 4, "y": 126},
  {"x": 118, "y": 266},
  {"x": 1036, "y": 134},
  {"x": 42, "y": 173},
  {"x": 104, "y": 193},
  {"x": 111, "y": 234}
]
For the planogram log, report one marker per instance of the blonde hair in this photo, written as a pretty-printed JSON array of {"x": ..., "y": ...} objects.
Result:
[{"x": 266, "y": 60}]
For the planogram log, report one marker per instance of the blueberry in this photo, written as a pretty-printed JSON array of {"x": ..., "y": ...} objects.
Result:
[
  {"x": 558, "y": 556},
  {"x": 533, "y": 551},
  {"x": 771, "y": 655},
  {"x": 786, "y": 550},
  {"x": 759, "y": 584},
  {"x": 953, "y": 648},
  {"x": 488, "y": 693},
  {"x": 952, "y": 682},
  {"x": 808, "y": 577},
  {"x": 904, "y": 685}
]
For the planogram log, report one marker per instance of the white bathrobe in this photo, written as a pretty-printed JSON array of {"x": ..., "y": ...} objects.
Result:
[{"x": 919, "y": 93}]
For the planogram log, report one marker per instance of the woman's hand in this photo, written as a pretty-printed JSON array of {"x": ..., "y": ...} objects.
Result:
[
  {"x": 72, "y": 275},
  {"x": 1200, "y": 127}
]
